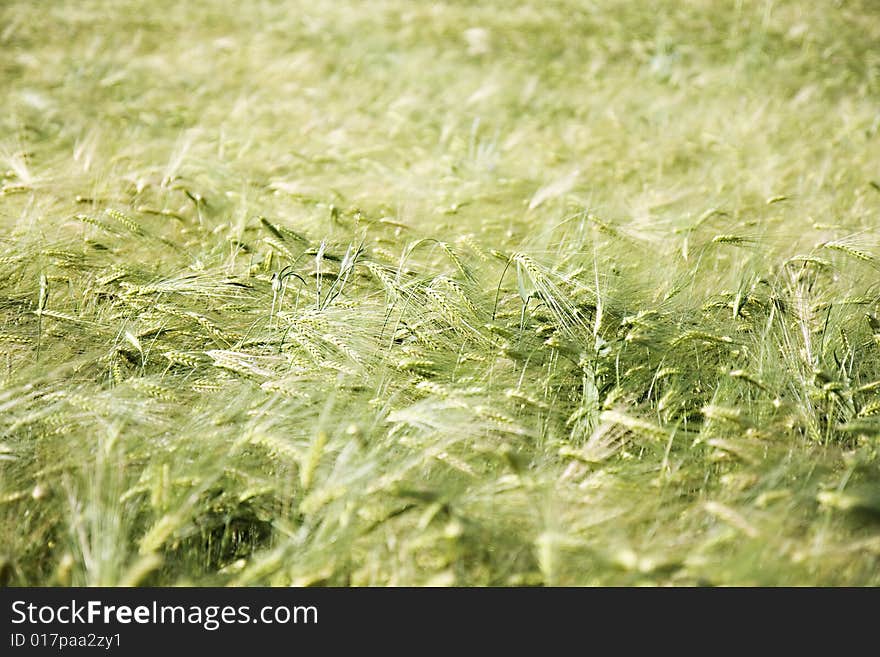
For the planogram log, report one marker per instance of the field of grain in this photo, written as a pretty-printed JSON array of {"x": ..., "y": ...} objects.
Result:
[{"x": 439, "y": 293}]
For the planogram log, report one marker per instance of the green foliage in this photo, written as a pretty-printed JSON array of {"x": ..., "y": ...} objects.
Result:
[{"x": 439, "y": 293}]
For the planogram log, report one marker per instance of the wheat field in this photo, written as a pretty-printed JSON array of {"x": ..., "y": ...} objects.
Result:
[{"x": 439, "y": 293}]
